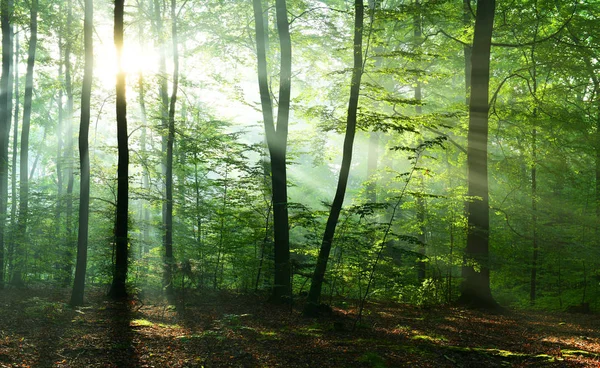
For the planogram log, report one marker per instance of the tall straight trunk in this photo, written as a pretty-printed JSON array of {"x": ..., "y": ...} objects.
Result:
[
  {"x": 169, "y": 169},
  {"x": 467, "y": 51},
  {"x": 15, "y": 153},
  {"x": 418, "y": 94},
  {"x": 59, "y": 153},
  {"x": 164, "y": 128},
  {"x": 475, "y": 290},
  {"x": 117, "y": 289},
  {"x": 374, "y": 136},
  {"x": 145, "y": 175},
  {"x": 597, "y": 188},
  {"x": 277, "y": 140},
  {"x": 6, "y": 8},
  {"x": 24, "y": 154},
  {"x": 84, "y": 158},
  {"x": 534, "y": 216},
  {"x": 145, "y": 212},
  {"x": 314, "y": 295},
  {"x": 68, "y": 154}
]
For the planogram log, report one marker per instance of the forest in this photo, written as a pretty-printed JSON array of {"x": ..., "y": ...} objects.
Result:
[{"x": 331, "y": 183}]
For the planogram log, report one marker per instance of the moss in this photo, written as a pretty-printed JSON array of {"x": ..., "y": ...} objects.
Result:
[
  {"x": 429, "y": 338},
  {"x": 141, "y": 323}
]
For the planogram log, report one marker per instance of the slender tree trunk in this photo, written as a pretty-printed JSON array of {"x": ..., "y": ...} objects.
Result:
[
  {"x": 476, "y": 284},
  {"x": 69, "y": 160},
  {"x": 597, "y": 188},
  {"x": 374, "y": 136},
  {"x": 534, "y": 214},
  {"x": 277, "y": 140},
  {"x": 145, "y": 212},
  {"x": 316, "y": 285},
  {"x": 15, "y": 153},
  {"x": 145, "y": 174},
  {"x": 467, "y": 50},
  {"x": 24, "y": 154},
  {"x": 84, "y": 158},
  {"x": 169, "y": 170},
  {"x": 118, "y": 290},
  {"x": 372, "y": 163},
  {"x": 534, "y": 258},
  {"x": 164, "y": 127},
  {"x": 421, "y": 203},
  {"x": 6, "y": 8},
  {"x": 59, "y": 159}
]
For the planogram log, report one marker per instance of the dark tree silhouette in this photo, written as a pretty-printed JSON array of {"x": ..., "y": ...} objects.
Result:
[
  {"x": 84, "y": 158},
  {"x": 277, "y": 140},
  {"x": 316, "y": 285},
  {"x": 475, "y": 290},
  {"x": 24, "y": 154},
  {"x": 117, "y": 289},
  {"x": 6, "y": 7}
]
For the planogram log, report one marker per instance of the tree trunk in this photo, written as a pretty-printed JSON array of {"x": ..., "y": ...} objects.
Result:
[
  {"x": 277, "y": 140},
  {"x": 421, "y": 203},
  {"x": 467, "y": 51},
  {"x": 15, "y": 153},
  {"x": 164, "y": 127},
  {"x": 316, "y": 285},
  {"x": 59, "y": 159},
  {"x": 68, "y": 154},
  {"x": 84, "y": 158},
  {"x": 6, "y": 8},
  {"x": 168, "y": 282},
  {"x": 534, "y": 258},
  {"x": 24, "y": 154},
  {"x": 117, "y": 289},
  {"x": 475, "y": 290},
  {"x": 144, "y": 212},
  {"x": 372, "y": 163}
]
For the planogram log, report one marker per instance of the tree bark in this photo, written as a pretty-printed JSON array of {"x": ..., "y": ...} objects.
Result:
[
  {"x": 467, "y": 51},
  {"x": 314, "y": 295},
  {"x": 475, "y": 290},
  {"x": 145, "y": 212},
  {"x": 68, "y": 154},
  {"x": 118, "y": 289},
  {"x": 24, "y": 154},
  {"x": 6, "y": 8},
  {"x": 169, "y": 169},
  {"x": 421, "y": 202},
  {"x": 84, "y": 158},
  {"x": 15, "y": 153},
  {"x": 277, "y": 140}
]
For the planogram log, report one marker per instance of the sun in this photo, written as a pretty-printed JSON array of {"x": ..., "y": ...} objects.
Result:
[{"x": 136, "y": 59}]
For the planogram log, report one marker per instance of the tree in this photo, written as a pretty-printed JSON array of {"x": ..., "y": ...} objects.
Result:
[
  {"x": 84, "y": 158},
  {"x": 277, "y": 139},
  {"x": 314, "y": 294},
  {"x": 68, "y": 154},
  {"x": 6, "y": 8},
  {"x": 169, "y": 169},
  {"x": 476, "y": 285},
  {"x": 118, "y": 289},
  {"x": 24, "y": 154}
]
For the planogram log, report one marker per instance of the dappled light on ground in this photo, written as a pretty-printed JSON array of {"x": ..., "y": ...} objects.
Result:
[{"x": 227, "y": 330}]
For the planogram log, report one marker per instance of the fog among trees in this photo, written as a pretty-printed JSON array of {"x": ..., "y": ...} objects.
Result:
[{"x": 305, "y": 152}]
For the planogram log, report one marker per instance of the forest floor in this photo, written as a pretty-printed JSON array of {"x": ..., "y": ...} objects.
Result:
[{"x": 37, "y": 329}]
